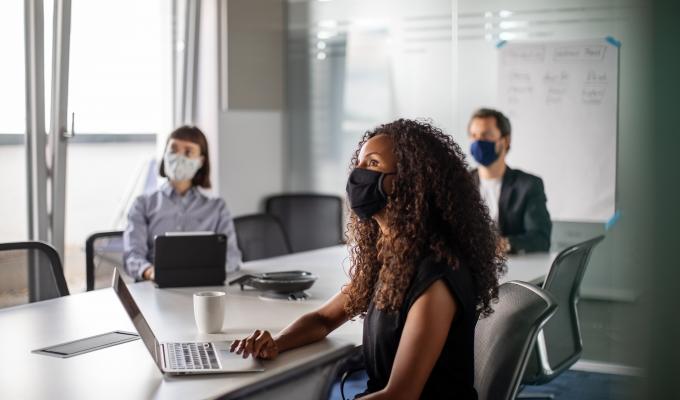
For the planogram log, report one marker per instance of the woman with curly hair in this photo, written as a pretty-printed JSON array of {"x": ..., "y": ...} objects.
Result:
[{"x": 424, "y": 267}]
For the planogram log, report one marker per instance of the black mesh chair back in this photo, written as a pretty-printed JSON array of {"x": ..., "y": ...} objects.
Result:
[
  {"x": 103, "y": 253},
  {"x": 260, "y": 236},
  {"x": 503, "y": 340},
  {"x": 30, "y": 272},
  {"x": 559, "y": 344},
  {"x": 311, "y": 221},
  {"x": 309, "y": 380}
]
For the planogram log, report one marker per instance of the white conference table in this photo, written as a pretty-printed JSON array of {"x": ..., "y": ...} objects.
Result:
[{"x": 127, "y": 371}]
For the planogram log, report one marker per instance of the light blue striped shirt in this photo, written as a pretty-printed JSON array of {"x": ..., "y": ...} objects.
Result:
[{"x": 164, "y": 211}]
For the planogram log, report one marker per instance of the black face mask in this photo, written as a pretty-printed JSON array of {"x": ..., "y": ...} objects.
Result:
[{"x": 365, "y": 192}]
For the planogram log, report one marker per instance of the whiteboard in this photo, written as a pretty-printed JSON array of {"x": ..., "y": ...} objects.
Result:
[{"x": 562, "y": 100}]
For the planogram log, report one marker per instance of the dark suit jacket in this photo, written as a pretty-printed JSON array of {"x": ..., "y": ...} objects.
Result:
[{"x": 522, "y": 213}]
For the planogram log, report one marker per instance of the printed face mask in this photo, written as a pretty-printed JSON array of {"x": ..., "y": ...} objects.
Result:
[
  {"x": 365, "y": 192},
  {"x": 180, "y": 168}
]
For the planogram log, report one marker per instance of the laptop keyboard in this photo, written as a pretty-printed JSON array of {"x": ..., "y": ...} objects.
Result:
[{"x": 192, "y": 356}]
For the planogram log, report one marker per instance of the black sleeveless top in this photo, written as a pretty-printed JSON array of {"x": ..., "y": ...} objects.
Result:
[{"x": 453, "y": 373}]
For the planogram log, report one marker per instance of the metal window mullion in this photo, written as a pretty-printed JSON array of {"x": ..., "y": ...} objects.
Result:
[
  {"x": 35, "y": 120},
  {"x": 36, "y": 163},
  {"x": 223, "y": 51},
  {"x": 196, "y": 38},
  {"x": 183, "y": 79},
  {"x": 173, "y": 59},
  {"x": 190, "y": 60},
  {"x": 58, "y": 125}
]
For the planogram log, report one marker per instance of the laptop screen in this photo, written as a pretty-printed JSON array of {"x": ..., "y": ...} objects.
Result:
[{"x": 137, "y": 318}]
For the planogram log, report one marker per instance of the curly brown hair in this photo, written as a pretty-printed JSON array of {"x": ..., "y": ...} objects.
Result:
[{"x": 435, "y": 210}]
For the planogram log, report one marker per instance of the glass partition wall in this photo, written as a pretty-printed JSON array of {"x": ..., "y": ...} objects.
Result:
[
  {"x": 13, "y": 160},
  {"x": 354, "y": 64},
  {"x": 614, "y": 282},
  {"x": 98, "y": 74},
  {"x": 13, "y": 209},
  {"x": 120, "y": 91}
]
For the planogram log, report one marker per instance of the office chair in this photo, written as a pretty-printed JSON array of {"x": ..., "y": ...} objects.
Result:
[
  {"x": 312, "y": 380},
  {"x": 311, "y": 221},
  {"x": 260, "y": 236},
  {"x": 503, "y": 340},
  {"x": 108, "y": 246},
  {"x": 559, "y": 344},
  {"x": 31, "y": 271}
]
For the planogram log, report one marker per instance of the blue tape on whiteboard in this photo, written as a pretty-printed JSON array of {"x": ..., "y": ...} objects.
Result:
[
  {"x": 612, "y": 41},
  {"x": 501, "y": 44},
  {"x": 612, "y": 221}
]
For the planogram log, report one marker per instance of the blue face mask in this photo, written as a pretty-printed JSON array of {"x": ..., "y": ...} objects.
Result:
[{"x": 484, "y": 152}]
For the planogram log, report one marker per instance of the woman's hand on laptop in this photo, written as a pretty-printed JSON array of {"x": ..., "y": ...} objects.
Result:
[{"x": 260, "y": 344}]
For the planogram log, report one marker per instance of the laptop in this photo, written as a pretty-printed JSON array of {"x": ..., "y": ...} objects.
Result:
[
  {"x": 190, "y": 259},
  {"x": 182, "y": 358}
]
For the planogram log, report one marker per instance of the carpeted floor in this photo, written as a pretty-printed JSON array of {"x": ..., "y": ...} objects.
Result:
[
  {"x": 572, "y": 385},
  {"x": 577, "y": 385}
]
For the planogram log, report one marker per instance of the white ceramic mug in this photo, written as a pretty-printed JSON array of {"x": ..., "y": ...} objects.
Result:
[{"x": 209, "y": 311}]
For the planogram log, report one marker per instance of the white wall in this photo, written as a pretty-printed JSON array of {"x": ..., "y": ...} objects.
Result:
[
  {"x": 245, "y": 126},
  {"x": 251, "y": 158},
  {"x": 207, "y": 101}
]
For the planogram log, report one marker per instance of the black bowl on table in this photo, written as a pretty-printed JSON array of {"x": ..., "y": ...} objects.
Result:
[{"x": 279, "y": 285}]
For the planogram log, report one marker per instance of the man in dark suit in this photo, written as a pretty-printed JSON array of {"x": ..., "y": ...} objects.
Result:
[{"x": 516, "y": 199}]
